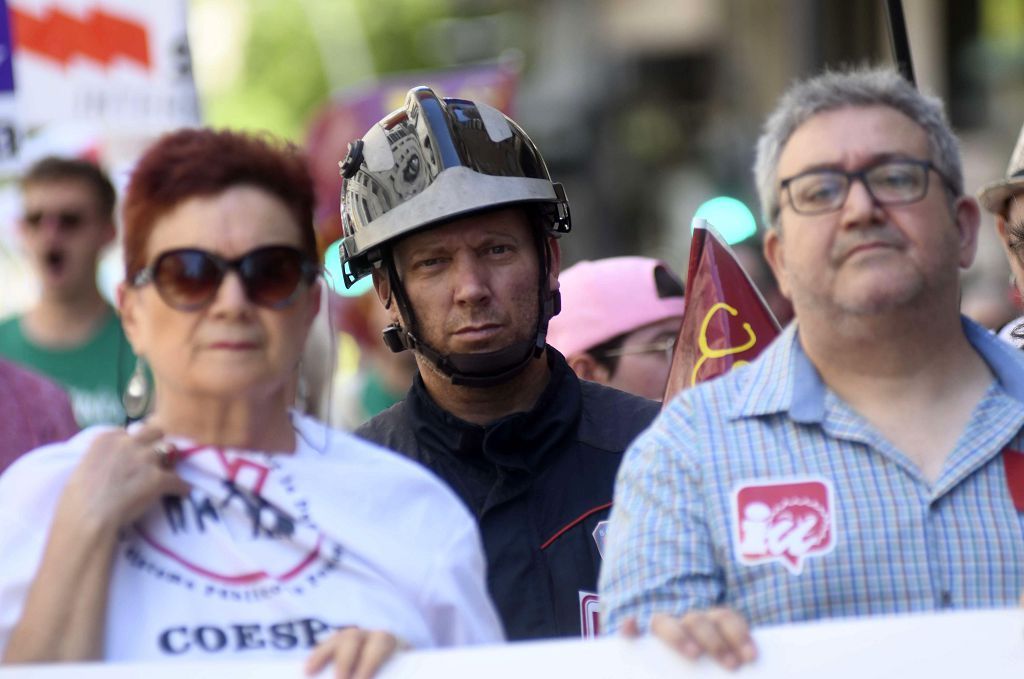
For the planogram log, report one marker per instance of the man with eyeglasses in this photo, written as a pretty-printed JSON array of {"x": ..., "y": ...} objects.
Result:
[
  {"x": 619, "y": 321},
  {"x": 71, "y": 334},
  {"x": 867, "y": 462}
]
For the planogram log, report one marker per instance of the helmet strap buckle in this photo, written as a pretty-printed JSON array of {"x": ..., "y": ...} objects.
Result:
[{"x": 394, "y": 338}]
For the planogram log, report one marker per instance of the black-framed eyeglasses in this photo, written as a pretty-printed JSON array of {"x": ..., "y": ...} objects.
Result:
[
  {"x": 665, "y": 346},
  {"x": 889, "y": 182},
  {"x": 66, "y": 220},
  {"x": 188, "y": 279}
]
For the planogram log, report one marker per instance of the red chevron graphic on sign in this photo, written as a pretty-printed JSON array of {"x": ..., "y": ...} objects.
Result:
[{"x": 100, "y": 37}]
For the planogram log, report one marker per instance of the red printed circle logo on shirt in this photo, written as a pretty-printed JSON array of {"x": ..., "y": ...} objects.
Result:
[
  {"x": 228, "y": 531},
  {"x": 784, "y": 520}
]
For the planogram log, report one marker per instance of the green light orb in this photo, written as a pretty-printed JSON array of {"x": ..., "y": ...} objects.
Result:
[
  {"x": 730, "y": 217},
  {"x": 332, "y": 272}
]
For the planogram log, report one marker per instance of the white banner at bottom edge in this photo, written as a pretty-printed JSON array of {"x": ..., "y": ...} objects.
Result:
[{"x": 987, "y": 644}]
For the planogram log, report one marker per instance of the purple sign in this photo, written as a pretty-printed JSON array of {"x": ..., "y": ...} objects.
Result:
[{"x": 6, "y": 50}]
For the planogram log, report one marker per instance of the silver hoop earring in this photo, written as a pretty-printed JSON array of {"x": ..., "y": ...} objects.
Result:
[{"x": 137, "y": 393}]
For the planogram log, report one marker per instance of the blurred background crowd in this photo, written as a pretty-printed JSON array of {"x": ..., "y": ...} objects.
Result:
[{"x": 647, "y": 110}]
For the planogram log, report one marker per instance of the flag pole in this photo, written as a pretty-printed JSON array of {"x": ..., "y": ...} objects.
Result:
[{"x": 900, "y": 41}]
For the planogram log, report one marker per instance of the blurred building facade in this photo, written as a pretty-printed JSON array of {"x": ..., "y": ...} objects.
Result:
[
  {"x": 647, "y": 108},
  {"x": 644, "y": 109}
]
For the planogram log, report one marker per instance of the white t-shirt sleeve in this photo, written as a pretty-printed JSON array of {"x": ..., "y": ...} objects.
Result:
[
  {"x": 21, "y": 549},
  {"x": 376, "y": 491},
  {"x": 29, "y": 492},
  {"x": 454, "y": 599}
]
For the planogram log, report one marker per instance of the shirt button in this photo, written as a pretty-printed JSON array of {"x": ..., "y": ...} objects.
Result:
[{"x": 946, "y": 599}]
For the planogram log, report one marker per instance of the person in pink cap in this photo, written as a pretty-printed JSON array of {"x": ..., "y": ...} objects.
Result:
[{"x": 619, "y": 321}]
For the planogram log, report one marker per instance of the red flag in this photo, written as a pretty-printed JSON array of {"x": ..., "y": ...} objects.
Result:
[{"x": 726, "y": 322}]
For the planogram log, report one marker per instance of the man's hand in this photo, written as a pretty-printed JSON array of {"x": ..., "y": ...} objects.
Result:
[
  {"x": 721, "y": 633},
  {"x": 355, "y": 653}
]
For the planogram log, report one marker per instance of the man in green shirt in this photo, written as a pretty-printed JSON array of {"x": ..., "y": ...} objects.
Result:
[{"x": 71, "y": 333}]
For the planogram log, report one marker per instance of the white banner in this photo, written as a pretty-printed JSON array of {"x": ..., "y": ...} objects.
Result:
[
  {"x": 122, "y": 65},
  {"x": 975, "y": 644}
]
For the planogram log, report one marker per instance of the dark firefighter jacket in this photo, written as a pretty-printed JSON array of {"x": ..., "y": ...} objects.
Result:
[{"x": 540, "y": 484}]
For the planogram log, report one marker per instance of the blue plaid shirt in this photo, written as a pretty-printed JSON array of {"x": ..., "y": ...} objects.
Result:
[{"x": 764, "y": 492}]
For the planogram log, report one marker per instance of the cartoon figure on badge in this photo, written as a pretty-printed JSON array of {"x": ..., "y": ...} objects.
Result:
[{"x": 786, "y": 522}]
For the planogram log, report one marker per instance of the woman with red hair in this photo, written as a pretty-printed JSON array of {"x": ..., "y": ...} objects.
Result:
[{"x": 225, "y": 524}]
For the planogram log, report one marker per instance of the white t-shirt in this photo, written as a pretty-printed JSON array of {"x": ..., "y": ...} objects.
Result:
[{"x": 268, "y": 553}]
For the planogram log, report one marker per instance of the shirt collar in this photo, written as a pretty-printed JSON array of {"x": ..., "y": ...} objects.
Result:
[
  {"x": 521, "y": 439},
  {"x": 784, "y": 379},
  {"x": 1005, "y": 360},
  {"x": 766, "y": 385}
]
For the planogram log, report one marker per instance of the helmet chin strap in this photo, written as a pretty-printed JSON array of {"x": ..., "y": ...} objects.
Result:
[
  {"x": 476, "y": 370},
  {"x": 470, "y": 370}
]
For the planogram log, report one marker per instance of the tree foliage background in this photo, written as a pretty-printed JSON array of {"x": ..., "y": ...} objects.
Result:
[{"x": 269, "y": 64}]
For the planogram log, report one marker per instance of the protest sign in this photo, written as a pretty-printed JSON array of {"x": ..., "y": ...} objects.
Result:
[{"x": 120, "y": 64}]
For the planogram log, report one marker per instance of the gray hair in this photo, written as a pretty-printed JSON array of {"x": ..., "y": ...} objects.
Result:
[{"x": 839, "y": 89}]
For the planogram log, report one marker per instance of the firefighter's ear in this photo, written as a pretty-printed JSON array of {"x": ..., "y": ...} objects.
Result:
[
  {"x": 382, "y": 286},
  {"x": 554, "y": 263}
]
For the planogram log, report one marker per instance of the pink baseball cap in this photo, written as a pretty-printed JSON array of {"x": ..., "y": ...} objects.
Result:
[{"x": 605, "y": 298}]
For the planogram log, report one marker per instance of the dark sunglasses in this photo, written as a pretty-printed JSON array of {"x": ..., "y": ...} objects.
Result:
[
  {"x": 66, "y": 220},
  {"x": 188, "y": 279}
]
